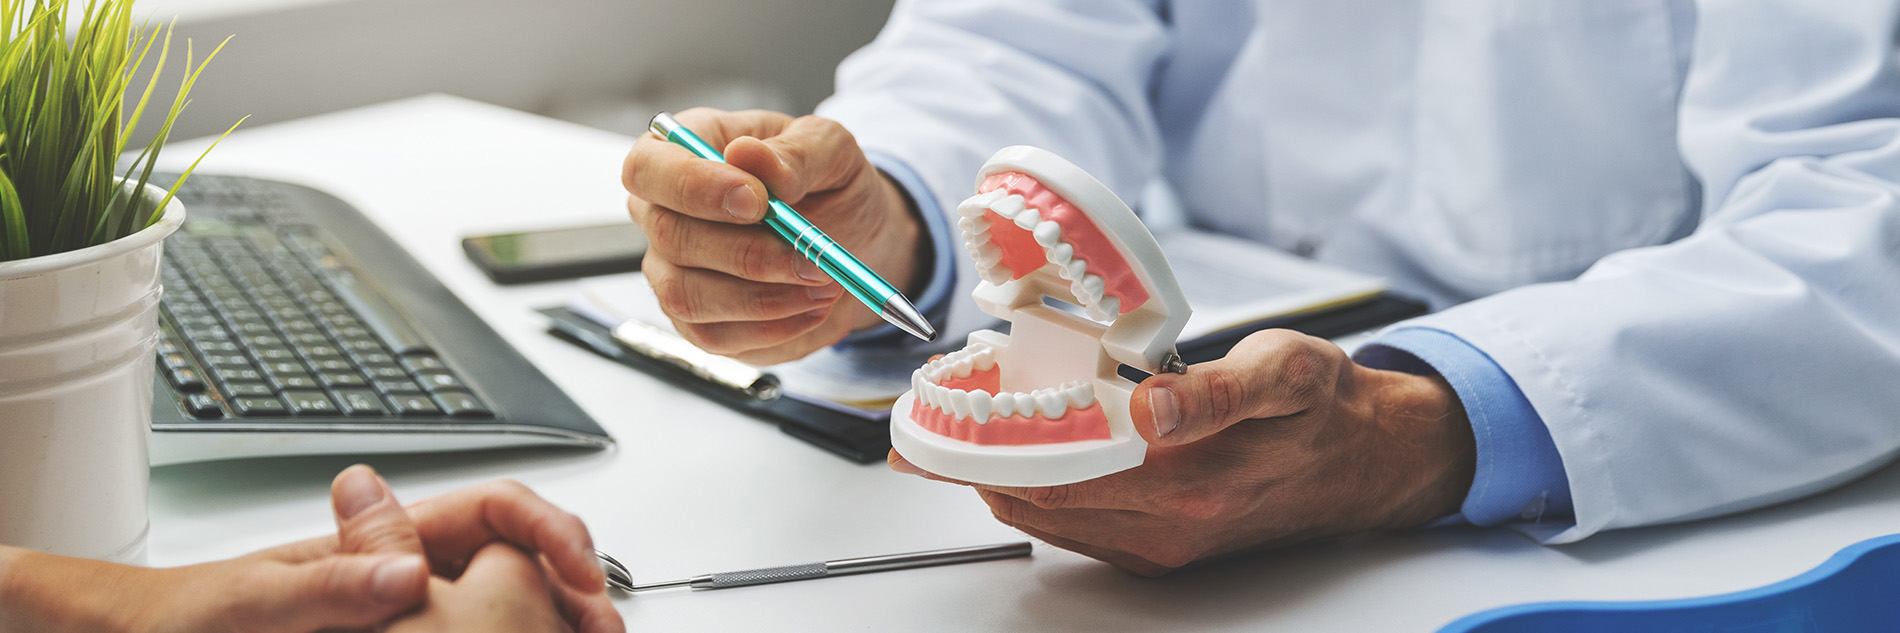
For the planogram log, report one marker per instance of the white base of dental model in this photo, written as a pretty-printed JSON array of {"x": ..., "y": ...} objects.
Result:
[{"x": 1045, "y": 405}]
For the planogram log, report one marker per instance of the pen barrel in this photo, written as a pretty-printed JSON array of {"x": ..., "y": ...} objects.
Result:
[
  {"x": 813, "y": 244},
  {"x": 764, "y": 576}
]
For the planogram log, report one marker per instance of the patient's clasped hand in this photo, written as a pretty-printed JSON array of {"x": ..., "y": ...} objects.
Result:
[{"x": 494, "y": 557}]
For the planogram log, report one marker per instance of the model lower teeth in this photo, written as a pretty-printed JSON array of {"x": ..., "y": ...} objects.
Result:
[{"x": 967, "y": 385}]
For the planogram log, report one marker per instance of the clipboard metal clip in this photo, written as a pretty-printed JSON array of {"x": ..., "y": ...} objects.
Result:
[{"x": 655, "y": 343}]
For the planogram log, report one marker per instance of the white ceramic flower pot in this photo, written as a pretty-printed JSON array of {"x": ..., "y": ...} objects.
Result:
[{"x": 77, "y": 332}]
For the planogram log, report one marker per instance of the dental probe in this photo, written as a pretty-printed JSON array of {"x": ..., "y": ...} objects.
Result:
[
  {"x": 618, "y": 578},
  {"x": 806, "y": 238}
]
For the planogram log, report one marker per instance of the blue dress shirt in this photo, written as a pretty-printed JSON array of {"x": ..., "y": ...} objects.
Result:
[{"x": 1519, "y": 474}]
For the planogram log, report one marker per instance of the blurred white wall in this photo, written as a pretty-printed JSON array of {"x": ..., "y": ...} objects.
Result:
[{"x": 602, "y": 62}]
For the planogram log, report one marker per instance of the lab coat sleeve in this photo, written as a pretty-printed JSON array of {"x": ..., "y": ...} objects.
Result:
[
  {"x": 949, "y": 82},
  {"x": 1755, "y": 360}
]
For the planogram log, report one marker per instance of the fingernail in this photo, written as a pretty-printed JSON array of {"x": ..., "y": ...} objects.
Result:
[
  {"x": 741, "y": 203},
  {"x": 809, "y": 271},
  {"x": 394, "y": 580},
  {"x": 1166, "y": 409},
  {"x": 904, "y": 466},
  {"x": 357, "y": 492},
  {"x": 826, "y": 292}
]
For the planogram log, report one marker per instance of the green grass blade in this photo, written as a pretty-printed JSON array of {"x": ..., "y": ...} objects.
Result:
[
  {"x": 16, "y": 243},
  {"x": 66, "y": 70}
]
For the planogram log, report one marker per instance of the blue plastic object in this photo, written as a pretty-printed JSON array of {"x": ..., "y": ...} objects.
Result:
[{"x": 1856, "y": 590}]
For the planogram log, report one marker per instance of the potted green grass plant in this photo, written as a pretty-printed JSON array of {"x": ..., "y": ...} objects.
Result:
[{"x": 80, "y": 234}]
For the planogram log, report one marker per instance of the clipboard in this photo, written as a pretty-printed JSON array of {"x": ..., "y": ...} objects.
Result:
[
  {"x": 855, "y": 434},
  {"x": 863, "y": 435}
]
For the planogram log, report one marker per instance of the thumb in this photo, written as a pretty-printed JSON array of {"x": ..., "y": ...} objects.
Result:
[
  {"x": 1269, "y": 374},
  {"x": 369, "y": 520},
  {"x": 811, "y": 154},
  {"x": 334, "y": 592}
]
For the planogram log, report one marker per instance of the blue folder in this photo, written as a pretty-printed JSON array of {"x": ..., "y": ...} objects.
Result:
[{"x": 1856, "y": 590}]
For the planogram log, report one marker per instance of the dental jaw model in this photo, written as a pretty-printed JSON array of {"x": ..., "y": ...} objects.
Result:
[{"x": 1044, "y": 405}]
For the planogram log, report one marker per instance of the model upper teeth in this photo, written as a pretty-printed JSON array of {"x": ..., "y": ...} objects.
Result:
[
  {"x": 1088, "y": 289},
  {"x": 982, "y": 406}
]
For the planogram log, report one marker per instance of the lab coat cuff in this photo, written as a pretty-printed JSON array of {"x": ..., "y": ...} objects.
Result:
[
  {"x": 934, "y": 301},
  {"x": 1519, "y": 476}
]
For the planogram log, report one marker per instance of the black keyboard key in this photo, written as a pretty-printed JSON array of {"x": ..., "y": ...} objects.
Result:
[
  {"x": 307, "y": 339},
  {"x": 175, "y": 361},
  {"x": 234, "y": 374},
  {"x": 251, "y": 329},
  {"x": 360, "y": 402},
  {"x": 196, "y": 321},
  {"x": 321, "y": 351},
  {"x": 182, "y": 311},
  {"x": 386, "y": 372},
  {"x": 273, "y": 353},
  {"x": 438, "y": 380},
  {"x": 282, "y": 382},
  {"x": 167, "y": 346},
  {"x": 351, "y": 332},
  {"x": 259, "y": 407},
  {"x": 295, "y": 326},
  {"x": 461, "y": 405},
  {"x": 374, "y": 358},
  {"x": 362, "y": 345},
  {"x": 331, "y": 364},
  {"x": 239, "y": 389},
  {"x": 339, "y": 379},
  {"x": 415, "y": 406},
  {"x": 394, "y": 388},
  {"x": 235, "y": 361},
  {"x": 269, "y": 339},
  {"x": 217, "y": 347},
  {"x": 421, "y": 362},
  {"x": 309, "y": 403},
  {"x": 285, "y": 367},
  {"x": 203, "y": 407},
  {"x": 186, "y": 379},
  {"x": 207, "y": 334}
]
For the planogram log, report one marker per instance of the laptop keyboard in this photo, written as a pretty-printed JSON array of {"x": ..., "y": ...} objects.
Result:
[{"x": 263, "y": 324}]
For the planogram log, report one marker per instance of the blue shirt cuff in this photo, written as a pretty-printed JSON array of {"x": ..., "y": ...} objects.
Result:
[
  {"x": 934, "y": 301},
  {"x": 1519, "y": 476}
]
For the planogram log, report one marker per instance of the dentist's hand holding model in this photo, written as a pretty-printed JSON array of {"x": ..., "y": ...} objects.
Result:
[{"x": 1664, "y": 240}]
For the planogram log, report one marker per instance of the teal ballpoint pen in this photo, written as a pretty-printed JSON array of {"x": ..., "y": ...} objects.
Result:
[{"x": 862, "y": 282}]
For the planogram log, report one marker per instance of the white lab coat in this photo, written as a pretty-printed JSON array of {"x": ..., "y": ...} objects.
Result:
[{"x": 1676, "y": 225}]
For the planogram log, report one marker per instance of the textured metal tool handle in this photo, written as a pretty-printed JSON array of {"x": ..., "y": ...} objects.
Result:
[{"x": 767, "y": 575}]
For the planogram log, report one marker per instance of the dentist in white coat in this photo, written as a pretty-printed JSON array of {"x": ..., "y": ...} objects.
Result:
[{"x": 1664, "y": 236}]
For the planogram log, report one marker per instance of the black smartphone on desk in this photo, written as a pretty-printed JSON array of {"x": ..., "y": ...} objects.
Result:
[{"x": 563, "y": 253}]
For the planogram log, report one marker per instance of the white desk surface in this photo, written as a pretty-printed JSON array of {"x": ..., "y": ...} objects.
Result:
[{"x": 694, "y": 488}]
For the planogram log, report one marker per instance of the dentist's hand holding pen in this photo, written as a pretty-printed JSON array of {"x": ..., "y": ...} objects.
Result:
[{"x": 728, "y": 284}]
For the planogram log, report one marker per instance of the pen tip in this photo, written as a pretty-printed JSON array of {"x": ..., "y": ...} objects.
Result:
[{"x": 898, "y": 311}]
